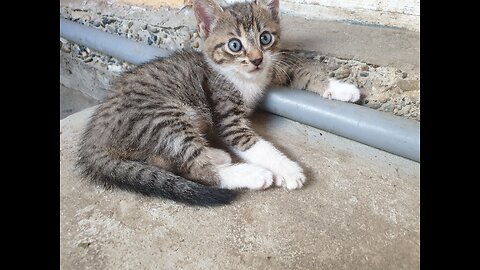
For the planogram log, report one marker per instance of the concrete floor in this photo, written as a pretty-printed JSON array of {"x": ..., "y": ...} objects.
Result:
[
  {"x": 72, "y": 101},
  {"x": 359, "y": 210}
]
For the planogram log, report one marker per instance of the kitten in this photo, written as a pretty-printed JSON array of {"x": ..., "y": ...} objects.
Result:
[{"x": 149, "y": 135}]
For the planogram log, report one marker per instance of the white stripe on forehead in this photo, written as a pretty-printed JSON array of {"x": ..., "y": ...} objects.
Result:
[
  {"x": 249, "y": 39},
  {"x": 252, "y": 36}
]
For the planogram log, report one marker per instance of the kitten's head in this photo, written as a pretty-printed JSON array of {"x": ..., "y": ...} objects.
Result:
[{"x": 241, "y": 38}]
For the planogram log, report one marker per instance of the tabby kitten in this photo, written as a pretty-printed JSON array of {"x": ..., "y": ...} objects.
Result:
[{"x": 149, "y": 135}]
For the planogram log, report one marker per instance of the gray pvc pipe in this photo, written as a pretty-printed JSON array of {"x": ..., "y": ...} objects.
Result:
[
  {"x": 113, "y": 45},
  {"x": 378, "y": 129},
  {"x": 381, "y": 130}
]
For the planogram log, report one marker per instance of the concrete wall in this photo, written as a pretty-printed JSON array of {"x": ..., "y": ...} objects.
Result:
[
  {"x": 153, "y": 3},
  {"x": 393, "y": 13}
]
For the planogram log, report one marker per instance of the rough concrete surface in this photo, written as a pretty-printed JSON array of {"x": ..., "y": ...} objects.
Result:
[
  {"x": 92, "y": 81},
  {"x": 72, "y": 101},
  {"x": 382, "y": 62},
  {"x": 374, "y": 45},
  {"x": 358, "y": 210},
  {"x": 379, "y": 13}
]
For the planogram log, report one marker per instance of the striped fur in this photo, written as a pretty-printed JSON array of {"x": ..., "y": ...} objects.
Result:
[{"x": 150, "y": 133}]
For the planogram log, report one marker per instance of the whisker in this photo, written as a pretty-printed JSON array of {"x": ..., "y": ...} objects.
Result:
[{"x": 286, "y": 74}]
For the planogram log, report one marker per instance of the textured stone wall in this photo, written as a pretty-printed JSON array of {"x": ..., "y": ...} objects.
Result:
[{"x": 393, "y": 13}]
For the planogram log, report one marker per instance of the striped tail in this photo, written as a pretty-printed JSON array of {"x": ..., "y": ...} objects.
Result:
[{"x": 150, "y": 181}]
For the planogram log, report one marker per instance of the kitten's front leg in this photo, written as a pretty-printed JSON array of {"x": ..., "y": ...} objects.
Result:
[
  {"x": 308, "y": 74},
  {"x": 286, "y": 172},
  {"x": 236, "y": 132}
]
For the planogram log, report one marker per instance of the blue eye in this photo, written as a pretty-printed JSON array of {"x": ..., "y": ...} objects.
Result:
[
  {"x": 265, "y": 38},
  {"x": 234, "y": 45}
]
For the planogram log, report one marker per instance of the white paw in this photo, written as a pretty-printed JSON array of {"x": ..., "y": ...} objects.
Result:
[
  {"x": 342, "y": 91},
  {"x": 289, "y": 175},
  {"x": 244, "y": 176},
  {"x": 327, "y": 94},
  {"x": 286, "y": 172}
]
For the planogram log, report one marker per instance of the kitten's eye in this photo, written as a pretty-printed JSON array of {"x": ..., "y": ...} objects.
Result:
[
  {"x": 234, "y": 45},
  {"x": 265, "y": 38}
]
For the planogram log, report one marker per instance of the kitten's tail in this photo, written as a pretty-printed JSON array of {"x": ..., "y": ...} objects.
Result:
[{"x": 151, "y": 181}]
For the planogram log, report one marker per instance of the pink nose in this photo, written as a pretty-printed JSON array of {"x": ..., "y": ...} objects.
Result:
[{"x": 257, "y": 61}]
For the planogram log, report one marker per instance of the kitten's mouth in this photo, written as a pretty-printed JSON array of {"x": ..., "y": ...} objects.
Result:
[{"x": 255, "y": 70}]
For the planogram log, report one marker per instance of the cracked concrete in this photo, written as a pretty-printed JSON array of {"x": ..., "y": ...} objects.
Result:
[{"x": 359, "y": 210}]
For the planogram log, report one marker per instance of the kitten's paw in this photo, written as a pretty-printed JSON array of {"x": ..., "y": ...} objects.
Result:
[
  {"x": 289, "y": 175},
  {"x": 218, "y": 156},
  {"x": 244, "y": 176},
  {"x": 342, "y": 91},
  {"x": 327, "y": 94},
  {"x": 286, "y": 172}
]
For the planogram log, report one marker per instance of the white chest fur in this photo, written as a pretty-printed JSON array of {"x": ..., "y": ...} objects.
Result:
[{"x": 251, "y": 90}]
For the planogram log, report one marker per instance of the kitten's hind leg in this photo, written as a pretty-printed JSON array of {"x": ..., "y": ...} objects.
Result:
[
  {"x": 199, "y": 166},
  {"x": 218, "y": 156},
  {"x": 186, "y": 152}
]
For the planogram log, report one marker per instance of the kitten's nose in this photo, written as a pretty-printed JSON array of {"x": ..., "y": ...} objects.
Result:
[{"x": 256, "y": 61}]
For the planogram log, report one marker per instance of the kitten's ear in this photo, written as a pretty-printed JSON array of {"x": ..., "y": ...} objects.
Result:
[
  {"x": 206, "y": 13},
  {"x": 272, "y": 5}
]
